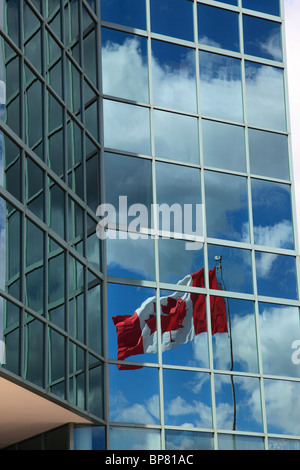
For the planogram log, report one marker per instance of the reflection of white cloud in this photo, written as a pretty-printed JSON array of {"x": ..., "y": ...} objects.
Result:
[
  {"x": 123, "y": 411},
  {"x": 273, "y": 46}
]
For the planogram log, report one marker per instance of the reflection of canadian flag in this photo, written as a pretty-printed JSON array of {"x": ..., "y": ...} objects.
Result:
[{"x": 183, "y": 316}]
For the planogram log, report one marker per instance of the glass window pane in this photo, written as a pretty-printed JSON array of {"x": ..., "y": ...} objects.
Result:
[
  {"x": 127, "y": 127},
  {"x": 172, "y": 18},
  {"x": 176, "y": 137},
  {"x": 123, "y": 303},
  {"x": 236, "y": 442},
  {"x": 240, "y": 342},
  {"x": 96, "y": 387},
  {"x": 272, "y": 214},
  {"x": 126, "y": 12},
  {"x": 188, "y": 440},
  {"x": 173, "y": 194},
  {"x": 187, "y": 398},
  {"x": 226, "y": 204},
  {"x": 262, "y": 38},
  {"x": 134, "y": 439},
  {"x": 173, "y": 76},
  {"x": 265, "y": 96},
  {"x": 279, "y": 327},
  {"x": 270, "y": 281},
  {"x": 223, "y": 145},
  {"x": 268, "y": 154},
  {"x": 283, "y": 416},
  {"x": 218, "y": 28},
  {"x": 267, "y": 6},
  {"x": 176, "y": 260},
  {"x": 34, "y": 351},
  {"x": 89, "y": 438},
  {"x": 124, "y": 65},
  {"x": 238, "y": 403},
  {"x": 134, "y": 396},
  {"x": 283, "y": 444},
  {"x": 236, "y": 267},
  {"x": 220, "y": 86}
]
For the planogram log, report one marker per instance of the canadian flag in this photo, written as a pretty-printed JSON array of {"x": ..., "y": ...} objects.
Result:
[{"x": 183, "y": 316}]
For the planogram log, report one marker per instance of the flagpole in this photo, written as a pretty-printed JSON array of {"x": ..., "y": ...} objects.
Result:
[{"x": 218, "y": 259}]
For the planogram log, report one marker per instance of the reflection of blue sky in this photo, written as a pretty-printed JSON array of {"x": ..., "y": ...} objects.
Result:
[
  {"x": 126, "y": 12},
  {"x": 266, "y": 6},
  {"x": 262, "y": 38},
  {"x": 221, "y": 89},
  {"x": 276, "y": 275},
  {"x": 218, "y": 27},
  {"x": 172, "y": 18},
  {"x": 265, "y": 96}
]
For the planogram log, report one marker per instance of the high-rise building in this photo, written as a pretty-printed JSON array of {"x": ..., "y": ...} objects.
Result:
[{"x": 175, "y": 324}]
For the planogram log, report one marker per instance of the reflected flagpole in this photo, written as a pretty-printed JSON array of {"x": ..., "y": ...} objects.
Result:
[{"x": 218, "y": 263}]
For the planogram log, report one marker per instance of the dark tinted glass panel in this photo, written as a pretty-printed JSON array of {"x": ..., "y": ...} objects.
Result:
[
  {"x": 262, "y": 38},
  {"x": 220, "y": 85},
  {"x": 223, "y": 145},
  {"x": 173, "y": 76},
  {"x": 268, "y": 154},
  {"x": 126, "y": 12},
  {"x": 267, "y": 6},
  {"x": 265, "y": 96},
  {"x": 218, "y": 28},
  {"x": 172, "y": 18},
  {"x": 125, "y": 67}
]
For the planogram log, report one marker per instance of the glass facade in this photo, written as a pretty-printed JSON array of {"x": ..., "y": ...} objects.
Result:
[{"x": 140, "y": 104}]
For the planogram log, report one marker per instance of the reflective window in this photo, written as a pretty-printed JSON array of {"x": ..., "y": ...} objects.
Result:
[
  {"x": 262, "y": 38},
  {"x": 267, "y": 6},
  {"x": 124, "y": 65},
  {"x": 172, "y": 194},
  {"x": 237, "y": 350},
  {"x": 173, "y": 76},
  {"x": 279, "y": 327},
  {"x": 129, "y": 306},
  {"x": 223, "y": 145},
  {"x": 283, "y": 444},
  {"x": 89, "y": 438},
  {"x": 172, "y": 18},
  {"x": 272, "y": 214},
  {"x": 176, "y": 137},
  {"x": 236, "y": 267},
  {"x": 226, "y": 205},
  {"x": 126, "y": 12},
  {"x": 133, "y": 396},
  {"x": 268, "y": 154},
  {"x": 220, "y": 86},
  {"x": 126, "y": 127},
  {"x": 238, "y": 403},
  {"x": 176, "y": 260},
  {"x": 184, "y": 342},
  {"x": 230, "y": 2},
  {"x": 283, "y": 416},
  {"x": 187, "y": 440},
  {"x": 265, "y": 96},
  {"x": 134, "y": 439},
  {"x": 236, "y": 442},
  {"x": 269, "y": 269},
  {"x": 218, "y": 28},
  {"x": 187, "y": 398}
]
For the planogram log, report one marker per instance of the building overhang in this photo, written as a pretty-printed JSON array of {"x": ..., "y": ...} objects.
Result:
[{"x": 25, "y": 413}]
